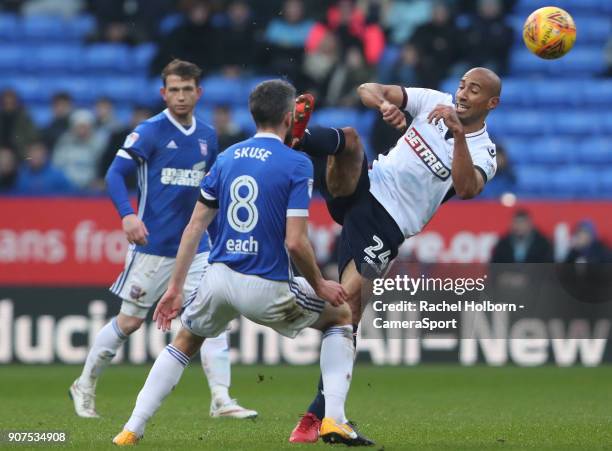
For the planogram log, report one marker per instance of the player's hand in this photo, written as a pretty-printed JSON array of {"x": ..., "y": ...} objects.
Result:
[
  {"x": 331, "y": 292},
  {"x": 167, "y": 309},
  {"x": 393, "y": 116},
  {"x": 135, "y": 230},
  {"x": 449, "y": 115}
]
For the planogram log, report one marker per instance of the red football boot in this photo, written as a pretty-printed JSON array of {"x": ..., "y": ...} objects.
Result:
[
  {"x": 307, "y": 430},
  {"x": 304, "y": 106}
]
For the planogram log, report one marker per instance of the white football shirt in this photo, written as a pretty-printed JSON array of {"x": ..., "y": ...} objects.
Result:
[{"x": 413, "y": 179}]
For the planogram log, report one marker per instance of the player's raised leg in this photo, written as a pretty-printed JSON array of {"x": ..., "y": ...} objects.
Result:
[
  {"x": 110, "y": 338},
  {"x": 163, "y": 377}
]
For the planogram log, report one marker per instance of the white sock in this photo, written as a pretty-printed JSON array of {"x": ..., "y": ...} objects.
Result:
[
  {"x": 216, "y": 364},
  {"x": 105, "y": 346},
  {"x": 337, "y": 369},
  {"x": 164, "y": 375}
]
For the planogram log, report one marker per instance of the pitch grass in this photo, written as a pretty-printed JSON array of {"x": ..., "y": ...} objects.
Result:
[{"x": 419, "y": 408}]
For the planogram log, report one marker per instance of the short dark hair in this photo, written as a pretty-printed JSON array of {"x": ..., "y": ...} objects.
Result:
[
  {"x": 270, "y": 101},
  {"x": 183, "y": 69}
]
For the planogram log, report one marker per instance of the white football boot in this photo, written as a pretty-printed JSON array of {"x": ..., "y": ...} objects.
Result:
[
  {"x": 84, "y": 401},
  {"x": 230, "y": 409}
]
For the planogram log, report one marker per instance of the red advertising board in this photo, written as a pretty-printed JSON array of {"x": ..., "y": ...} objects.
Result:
[{"x": 76, "y": 242}]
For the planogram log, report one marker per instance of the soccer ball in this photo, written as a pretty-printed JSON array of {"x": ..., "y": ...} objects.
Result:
[{"x": 549, "y": 32}]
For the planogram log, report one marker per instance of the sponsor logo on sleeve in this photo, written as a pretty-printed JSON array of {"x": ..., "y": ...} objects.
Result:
[{"x": 130, "y": 140}]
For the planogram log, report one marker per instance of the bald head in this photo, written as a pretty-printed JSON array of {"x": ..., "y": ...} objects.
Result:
[{"x": 488, "y": 79}]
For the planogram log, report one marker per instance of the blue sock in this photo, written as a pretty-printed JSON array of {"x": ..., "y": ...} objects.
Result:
[
  {"x": 323, "y": 141},
  {"x": 317, "y": 406}
]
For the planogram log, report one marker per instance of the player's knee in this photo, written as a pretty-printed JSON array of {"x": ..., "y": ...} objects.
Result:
[
  {"x": 187, "y": 343},
  {"x": 343, "y": 315},
  {"x": 129, "y": 324}
]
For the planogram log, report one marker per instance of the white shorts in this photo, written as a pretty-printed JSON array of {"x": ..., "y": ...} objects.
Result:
[
  {"x": 224, "y": 294},
  {"x": 145, "y": 279}
]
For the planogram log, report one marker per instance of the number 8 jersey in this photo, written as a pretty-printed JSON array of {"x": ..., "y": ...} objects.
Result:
[{"x": 256, "y": 184}]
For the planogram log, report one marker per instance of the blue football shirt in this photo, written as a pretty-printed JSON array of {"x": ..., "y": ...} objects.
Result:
[
  {"x": 172, "y": 161},
  {"x": 257, "y": 184}
]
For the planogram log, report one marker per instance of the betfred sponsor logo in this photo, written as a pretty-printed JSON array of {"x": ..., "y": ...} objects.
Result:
[{"x": 426, "y": 154}]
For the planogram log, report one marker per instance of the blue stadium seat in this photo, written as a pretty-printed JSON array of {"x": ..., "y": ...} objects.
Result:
[
  {"x": 532, "y": 179},
  {"x": 9, "y": 27},
  {"x": 575, "y": 181},
  {"x": 142, "y": 56},
  {"x": 606, "y": 123},
  {"x": 596, "y": 150},
  {"x": 41, "y": 115},
  {"x": 56, "y": 58},
  {"x": 335, "y": 117},
  {"x": 562, "y": 92},
  {"x": 12, "y": 57},
  {"x": 81, "y": 26},
  {"x": 222, "y": 90},
  {"x": 515, "y": 92},
  {"x": 552, "y": 150},
  {"x": 518, "y": 149},
  {"x": 84, "y": 90},
  {"x": 242, "y": 117},
  {"x": 605, "y": 183},
  {"x": 120, "y": 88},
  {"x": 44, "y": 28},
  {"x": 597, "y": 93},
  {"x": 592, "y": 29},
  {"x": 518, "y": 122},
  {"x": 32, "y": 89},
  {"x": 581, "y": 61},
  {"x": 577, "y": 122},
  {"x": 106, "y": 58}
]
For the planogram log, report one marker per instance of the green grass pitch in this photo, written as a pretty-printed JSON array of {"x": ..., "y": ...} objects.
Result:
[{"x": 421, "y": 408}]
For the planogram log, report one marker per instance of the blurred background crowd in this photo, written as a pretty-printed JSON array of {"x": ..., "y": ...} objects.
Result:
[{"x": 77, "y": 75}]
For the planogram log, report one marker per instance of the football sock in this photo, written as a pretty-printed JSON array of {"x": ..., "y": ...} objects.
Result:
[
  {"x": 164, "y": 375},
  {"x": 317, "y": 406},
  {"x": 216, "y": 364},
  {"x": 104, "y": 348},
  {"x": 337, "y": 354},
  {"x": 323, "y": 141}
]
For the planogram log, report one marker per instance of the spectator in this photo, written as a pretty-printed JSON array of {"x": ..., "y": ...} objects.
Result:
[
  {"x": 105, "y": 116},
  {"x": 237, "y": 39},
  {"x": 350, "y": 26},
  {"x": 523, "y": 244},
  {"x": 505, "y": 179},
  {"x": 437, "y": 45},
  {"x": 319, "y": 64},
  {"x": 285, "y": 38},
  {"x": 193, "y": 40},
  {"x": 78, "y": 151},
  {"x": 116, "y": 140},
  {"x": 8, "y": 170},
  {"x": 16, "y": 128},
  {"x": 38, "y": 176},
  {"x": 404, "y": 71},
  {"x": 228, "y": 132},
  {"x": 341, "y": 86},
  {"x": 489, "y": 39},
  {"x": 585, "y": 245},
  {"x": 61, "y": 107}
]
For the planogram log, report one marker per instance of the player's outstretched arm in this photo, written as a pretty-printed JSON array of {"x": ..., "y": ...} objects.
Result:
[
  {"x": 467, "y": 180},
  {"x": 302, "y": 255},
  {"x": 388, "y": 99},
  {"x": 172, "y": 300}
]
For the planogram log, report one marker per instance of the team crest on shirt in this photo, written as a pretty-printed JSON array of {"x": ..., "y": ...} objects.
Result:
[
  {"x": 203, "y": 147},
  {"x": 136, "y": 292},
  {"x": 131, "y": 139}
]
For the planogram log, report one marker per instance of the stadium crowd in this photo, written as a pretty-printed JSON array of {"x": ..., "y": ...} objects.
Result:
[{"x": 327, "y": 48}]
